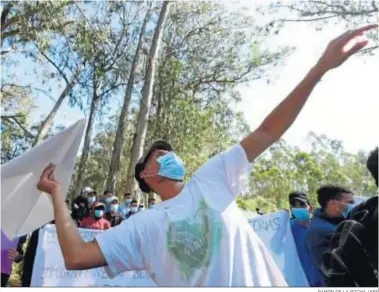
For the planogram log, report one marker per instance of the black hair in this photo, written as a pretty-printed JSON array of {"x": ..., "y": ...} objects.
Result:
[
  {"x": 107, "y": 192},
  {"x": 330, "y": 192},
  {"x": 134, "y": 201},
  {"x": 372, "y": 164},
  {"x": 127, "y": 194},
  {"x": 151, "y": 199}
]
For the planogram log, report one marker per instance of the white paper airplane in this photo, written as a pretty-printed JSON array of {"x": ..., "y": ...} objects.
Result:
[{"x": 23, "y": 207}]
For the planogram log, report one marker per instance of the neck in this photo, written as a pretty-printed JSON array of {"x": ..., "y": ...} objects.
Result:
[{"x": 170, "y": 190}]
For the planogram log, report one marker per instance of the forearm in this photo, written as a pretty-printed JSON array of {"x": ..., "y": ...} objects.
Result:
[
  {"x": 67, "y": 232},
  {"x": 282, "y": 117}
]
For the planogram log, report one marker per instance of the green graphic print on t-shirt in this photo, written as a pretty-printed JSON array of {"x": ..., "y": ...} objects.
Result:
[{"x": 195, "y": 240}]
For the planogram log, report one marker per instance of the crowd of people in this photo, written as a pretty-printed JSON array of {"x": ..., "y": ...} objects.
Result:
[
  {"x": 103, "y": 212},
  {"x": 197, "y": 236},
  {"x": 88, "y": 211},
  {"x": 337, "y": 244}
]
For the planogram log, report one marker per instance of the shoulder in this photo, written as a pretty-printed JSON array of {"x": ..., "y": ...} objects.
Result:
[{"x": 146, "y": 221}]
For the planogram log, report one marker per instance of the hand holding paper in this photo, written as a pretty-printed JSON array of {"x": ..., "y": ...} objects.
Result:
[
  {"x": 48, "y": 183},
  {"x": 23, "y": 207}
]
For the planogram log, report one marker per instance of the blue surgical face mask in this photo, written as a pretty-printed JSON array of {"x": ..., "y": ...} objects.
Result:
[
  {"x": 134, "y": 209},
  {"x": 113, "y": 208},
  {"x": 171, "y": 166},
  {"x": 108, "y": 200},
  {"x": 91, "y": 200},
  {"x": 301, "y": 214},
  {"x": 128, "y": 201},
  {"x": 99, "y": 213},
  {"x": 348, "y": 210},
  {"x": 152, "y": 206}
]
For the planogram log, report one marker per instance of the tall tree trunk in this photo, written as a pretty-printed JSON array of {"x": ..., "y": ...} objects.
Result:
[
  {"x": 42, "y": 131},
  {"x": 147, "y": 91},
  {"x": 114, "y": 166},
  {"x": 87, "y": 143}
]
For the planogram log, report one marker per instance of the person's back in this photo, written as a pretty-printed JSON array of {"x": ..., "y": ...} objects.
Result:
[
  {"x": 352, "y": 256},
  {"x": 201, "y": 233}
]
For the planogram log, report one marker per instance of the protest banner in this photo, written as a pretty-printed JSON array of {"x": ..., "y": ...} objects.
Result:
[
  {"x": 49, "y": 270},
  {"x": 275, "y": 231}
]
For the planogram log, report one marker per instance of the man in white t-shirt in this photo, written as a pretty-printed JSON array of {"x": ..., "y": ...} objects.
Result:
[{"x": 196, "y": 236}]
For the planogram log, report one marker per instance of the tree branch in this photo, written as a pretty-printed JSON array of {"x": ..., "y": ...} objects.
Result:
[
  {"x": 4, "y": 15},
  {"x": 53, "y": 63},
  {"x": 14, "y": 118},
  {"x": 8, "y": 34},
  {"x": 111, "y": 88},
  {"x": 308, "y": 20}
]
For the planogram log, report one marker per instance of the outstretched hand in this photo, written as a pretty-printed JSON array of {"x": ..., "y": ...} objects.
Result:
[
  {"x": 337, "y": 51},
  {"x": 47, "y": 182}
]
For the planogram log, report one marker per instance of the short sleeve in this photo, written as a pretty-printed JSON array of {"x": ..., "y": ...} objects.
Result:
[
  {"x": 231, "y": 166},
  {"x": 121, "y": 247}
]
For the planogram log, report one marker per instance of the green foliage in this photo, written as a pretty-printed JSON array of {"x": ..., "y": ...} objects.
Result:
[
  {"x": 325, "y": 13},
  {"x": 283, "y": 169},
  {"x": 206, "y": 53}
]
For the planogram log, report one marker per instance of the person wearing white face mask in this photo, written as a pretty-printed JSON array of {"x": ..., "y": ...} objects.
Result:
[
  {"x": 202, "y": 237},
  {"x": 113, "y": 215},
  {"x": 91, "y": 198},
  {"x": 133, "y": 208},
  {"x": 125, "y": 207},
  {"x": 151, "y": 203},
  {"x": 336, "y": 202}
]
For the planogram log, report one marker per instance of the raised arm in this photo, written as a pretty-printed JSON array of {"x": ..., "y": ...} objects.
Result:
[
  {"x": 282, "y": 117},
  {"x": 77, "y": 254}
]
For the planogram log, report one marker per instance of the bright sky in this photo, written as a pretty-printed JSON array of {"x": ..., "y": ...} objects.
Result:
[{"x": 343, "y": 106}]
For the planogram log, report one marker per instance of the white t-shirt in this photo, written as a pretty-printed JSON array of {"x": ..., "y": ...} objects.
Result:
[{"x": 199, "y": 237}]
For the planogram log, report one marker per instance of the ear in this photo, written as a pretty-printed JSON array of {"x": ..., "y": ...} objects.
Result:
[{"x": 143, "y": 174}]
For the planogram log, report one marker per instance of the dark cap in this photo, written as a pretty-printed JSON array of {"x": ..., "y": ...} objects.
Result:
[
  {"x": 140, "y": 166},
  {"x": 298, "y": 196}
]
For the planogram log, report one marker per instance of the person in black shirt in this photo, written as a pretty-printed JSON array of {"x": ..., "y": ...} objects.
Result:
[
  {"x": 29, "y": 257},
  {"x": 80, "y": 205}
]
